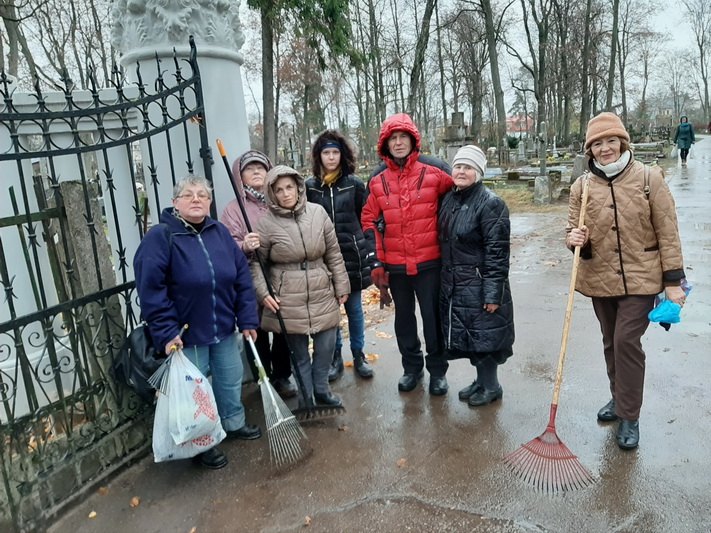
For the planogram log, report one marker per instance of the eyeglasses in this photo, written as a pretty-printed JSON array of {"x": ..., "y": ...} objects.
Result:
[{"x": 202, "y": 196}]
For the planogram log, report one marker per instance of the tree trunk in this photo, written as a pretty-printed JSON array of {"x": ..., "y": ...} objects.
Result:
[
  {"x": 420, "y": 49},
  {"x": 613, "y": 55},
  {"x": 585, "y": 73},
  {"x": 270, "y": 130},
  {"x": 494, "y": 65},
  {"x": 442, "y": 86}
]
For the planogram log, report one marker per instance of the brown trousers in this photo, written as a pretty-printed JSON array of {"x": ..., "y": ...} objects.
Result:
[{"x": 623, "y": 321}]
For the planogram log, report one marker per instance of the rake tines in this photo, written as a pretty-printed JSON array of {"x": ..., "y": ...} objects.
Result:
[
  {"x": 548, "y": 464},
  {"x": 287, "y": 441}
]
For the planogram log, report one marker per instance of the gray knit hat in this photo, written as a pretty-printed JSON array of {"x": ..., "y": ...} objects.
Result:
[{"x": 473, "y": 156}]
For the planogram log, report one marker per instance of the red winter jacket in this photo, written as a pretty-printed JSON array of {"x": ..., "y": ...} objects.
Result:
[{"x": 407, "y": 198}]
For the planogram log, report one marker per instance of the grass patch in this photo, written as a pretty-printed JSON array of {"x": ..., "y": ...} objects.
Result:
[{"x": 519, "y": 199}]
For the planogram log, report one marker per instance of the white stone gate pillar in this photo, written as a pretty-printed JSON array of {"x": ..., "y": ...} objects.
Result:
[{"x": 146, "y": 28}]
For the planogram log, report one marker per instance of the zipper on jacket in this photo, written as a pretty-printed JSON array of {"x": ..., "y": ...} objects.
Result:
[
  {"x": 360, "y": 263},
  {"x": 386, "y": 190},
  {"x": 333, "y": 210},
  {"x": 212, "y": 277},
  {"x": 449, "y": 327},
  {"x": 421, "y": 180},
  {"x": 306, "y": 269}
]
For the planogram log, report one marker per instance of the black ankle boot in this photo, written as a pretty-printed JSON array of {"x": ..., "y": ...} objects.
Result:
[
  {"x": 336, "y": 370},
  {"x": 362, "y": 368}
]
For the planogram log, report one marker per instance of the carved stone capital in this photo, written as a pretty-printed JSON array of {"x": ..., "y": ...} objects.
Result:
[{"x": 165, "y": 23}]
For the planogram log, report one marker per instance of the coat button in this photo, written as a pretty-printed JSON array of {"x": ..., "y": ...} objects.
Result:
[
  {"x": 619, "y": 272},
  {"x": 614, "y": 228},
  {"x": 617, "y": 250}
]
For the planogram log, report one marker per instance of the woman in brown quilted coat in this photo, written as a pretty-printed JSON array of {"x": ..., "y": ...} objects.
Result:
[
  {"x": 298, "y": 243},
  {"x": 630, "y": 252}
]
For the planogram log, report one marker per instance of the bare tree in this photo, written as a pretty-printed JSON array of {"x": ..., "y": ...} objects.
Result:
[{"x": 699, "y": 15}]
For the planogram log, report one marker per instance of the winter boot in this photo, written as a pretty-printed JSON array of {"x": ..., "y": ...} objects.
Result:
[
  {"x": 362, "y": 368},
  {"x": 336, "y": 370}
]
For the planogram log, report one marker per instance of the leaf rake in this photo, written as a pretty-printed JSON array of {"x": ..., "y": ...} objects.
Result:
[
  {"x": 545, "y": 462},
  {"x": 287, "y": 441}
]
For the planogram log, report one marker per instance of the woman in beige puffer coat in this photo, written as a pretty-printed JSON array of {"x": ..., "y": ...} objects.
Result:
[
  {"x": 299, "y": 246},
  {"x": 630, "y": 251}
]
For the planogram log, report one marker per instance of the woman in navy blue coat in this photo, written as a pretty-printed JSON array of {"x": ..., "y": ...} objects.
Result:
[
  {"x": 475, "y": 297},
  {"x": 190, "y": 271}
]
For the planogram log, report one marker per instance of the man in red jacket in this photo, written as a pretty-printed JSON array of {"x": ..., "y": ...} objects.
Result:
[{"x": 400, "y": 223}]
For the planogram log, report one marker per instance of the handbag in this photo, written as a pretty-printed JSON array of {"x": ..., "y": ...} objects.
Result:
[{"x": 136, "y": 362}]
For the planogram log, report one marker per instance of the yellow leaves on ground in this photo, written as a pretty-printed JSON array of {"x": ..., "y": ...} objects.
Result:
[
  {"x": 135, "y": 501},
  {"x": 401, "y": 462},
  {"x": 307, "y": 521},
  {"x": 343, "y": 428},
  {"x": 103, "y": 491},
  {"x": 370, "y": 357},
  {"x": 383, "y": 335},
  {"x": 92, "y": 514}
]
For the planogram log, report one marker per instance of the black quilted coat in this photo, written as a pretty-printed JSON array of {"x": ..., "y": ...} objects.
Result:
[
  {"x": 474, "y": 233},
  {"x": 345, "y": 198}
]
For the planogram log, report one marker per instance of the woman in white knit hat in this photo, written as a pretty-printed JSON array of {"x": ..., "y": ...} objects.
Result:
[
  {"x": 475, "y": 297},
  {"x": 630, "y": 252}
]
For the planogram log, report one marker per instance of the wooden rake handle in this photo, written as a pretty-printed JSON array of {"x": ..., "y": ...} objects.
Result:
[{"x": 571, "y": 297}]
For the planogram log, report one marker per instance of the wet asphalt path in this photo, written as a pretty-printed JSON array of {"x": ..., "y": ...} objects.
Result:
[{"x": 412, "y": 462}]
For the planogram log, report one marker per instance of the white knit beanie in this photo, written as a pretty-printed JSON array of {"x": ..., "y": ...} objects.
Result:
[{"x": 473, "y": 156}]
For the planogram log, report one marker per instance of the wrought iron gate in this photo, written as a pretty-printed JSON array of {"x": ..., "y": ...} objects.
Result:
[{"x": 82, "y": 173}]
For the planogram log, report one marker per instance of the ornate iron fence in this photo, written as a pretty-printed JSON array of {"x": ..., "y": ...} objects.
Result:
[{"x": 83, "y": 172}]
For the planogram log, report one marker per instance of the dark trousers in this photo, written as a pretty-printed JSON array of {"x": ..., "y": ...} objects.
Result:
[
  {"x": 424, "y": 287},
  {"x": 274, "y": 355},
  {"x": 684, "y": 152},
  {"x": 623, "y": 321}
]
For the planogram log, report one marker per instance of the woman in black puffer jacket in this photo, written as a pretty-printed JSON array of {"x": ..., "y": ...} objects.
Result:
[
  {"x": 341, "y": 193},
  {"x": 475, "y": 297}
]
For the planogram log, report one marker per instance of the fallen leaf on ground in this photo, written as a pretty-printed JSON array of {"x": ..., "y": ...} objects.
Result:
[
  {"x": 343, "y": 428},
  {"x": 193, "y": 530},
  {"x": 308, "y": 521},
  {"x": 92, "y": 514},
  {"x": 135, "y": 501},
  {"x": 371, "y": 357},
  {"x": 383, "y": 335},
  {"x": 348, "y": 363},
  {"x": 550, "y": 263},
  {"x": 103, "y": 490},
  {"x": 401, "y": 462}
]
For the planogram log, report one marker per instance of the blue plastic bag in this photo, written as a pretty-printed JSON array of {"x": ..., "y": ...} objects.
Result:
[{"x": 667, "y": 312}]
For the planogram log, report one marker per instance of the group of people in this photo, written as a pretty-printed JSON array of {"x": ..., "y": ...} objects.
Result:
[{"x": 425, "y": 235}]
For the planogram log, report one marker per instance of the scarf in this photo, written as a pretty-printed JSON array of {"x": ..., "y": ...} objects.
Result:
[
  {"x": 258, "y": 195},
  {"x": 330, "y": 178},
  {"x": 613, "y": 169}
]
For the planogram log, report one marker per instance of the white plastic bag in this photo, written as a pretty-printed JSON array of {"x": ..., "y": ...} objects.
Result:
[
  {"x": 165, "y": 448},
  {"x": 192, "y": 411},
  {"x": 674, "y": 153}
]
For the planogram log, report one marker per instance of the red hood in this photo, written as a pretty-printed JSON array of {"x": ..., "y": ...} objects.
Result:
[{"x": 399, "y": 122}]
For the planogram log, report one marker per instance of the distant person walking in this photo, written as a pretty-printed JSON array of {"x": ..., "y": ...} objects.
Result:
[
  {"x": 684, "y": 137},
  {"x": 400, "y": 222},
  {"x": 336, "y": 188},
  {"x": 630, "y": 252},
  {"x": 475, "y": 300}
]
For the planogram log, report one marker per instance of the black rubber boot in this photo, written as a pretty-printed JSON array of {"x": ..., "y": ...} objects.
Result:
[
  {"x": 336, "y": 370},
  {"x": 362, "y": 368}
]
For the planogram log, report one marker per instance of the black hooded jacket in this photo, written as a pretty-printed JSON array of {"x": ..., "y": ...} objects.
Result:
[{"x": 343, "y": 202}]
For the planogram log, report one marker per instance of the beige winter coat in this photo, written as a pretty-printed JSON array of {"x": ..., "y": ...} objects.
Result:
[
  {"x": 634, "y": 246},
  {"x": 304, "y": 261}
]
